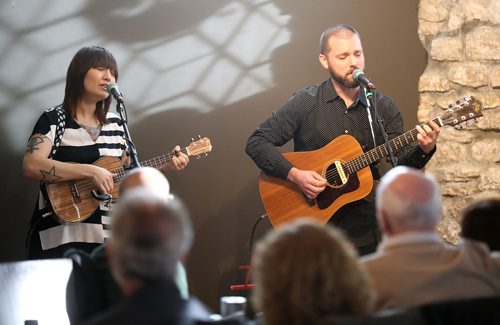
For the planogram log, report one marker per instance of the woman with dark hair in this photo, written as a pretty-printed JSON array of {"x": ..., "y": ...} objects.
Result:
[
  {"x": 65, "y": 142},
  {"x": 481, "y": 221}
]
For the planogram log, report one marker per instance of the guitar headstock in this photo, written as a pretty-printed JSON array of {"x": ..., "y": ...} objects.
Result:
[
  {"x": 468, "y": 109},
  {"x": 198, "y": 147}
]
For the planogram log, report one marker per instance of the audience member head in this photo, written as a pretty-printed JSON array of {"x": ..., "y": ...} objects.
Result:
[
  {"x": 408, "y": 200},
  {"x": 149, "y": 236},
  {"x": 481, "y": 221},
  {"x": 148, "y": 177},
  {"x": 305, "y": 271}
]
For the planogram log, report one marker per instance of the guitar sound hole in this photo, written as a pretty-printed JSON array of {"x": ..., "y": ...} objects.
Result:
[{"x": 332, "y": 176}]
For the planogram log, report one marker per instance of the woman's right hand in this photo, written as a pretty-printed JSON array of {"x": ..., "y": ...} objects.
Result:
[
  {"x": 37, "y": 166},
  {"x": 102, "y": 178}
]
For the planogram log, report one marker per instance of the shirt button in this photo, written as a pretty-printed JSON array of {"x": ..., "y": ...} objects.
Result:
[
  {"x": 345, "y": 111},
  {"x": 346, "y": 131}
]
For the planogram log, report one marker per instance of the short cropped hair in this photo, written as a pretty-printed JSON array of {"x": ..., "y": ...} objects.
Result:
[
  {"x": 339, "y": 29},
  {"x": 149, "y": 235}
]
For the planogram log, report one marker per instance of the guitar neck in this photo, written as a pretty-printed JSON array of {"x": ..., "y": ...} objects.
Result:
[
  {"x": 195, "y": 148},
  {"x": 158, "y": 162},
  {"x": 381, "y": 151}
]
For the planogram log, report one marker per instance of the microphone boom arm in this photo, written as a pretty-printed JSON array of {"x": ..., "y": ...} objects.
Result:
[{"x": 120, "y": 108}]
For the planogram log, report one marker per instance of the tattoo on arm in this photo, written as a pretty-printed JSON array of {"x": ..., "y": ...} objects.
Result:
[
  {"x": 34, "y": 142},
  {"x": 50, "y": 176}
]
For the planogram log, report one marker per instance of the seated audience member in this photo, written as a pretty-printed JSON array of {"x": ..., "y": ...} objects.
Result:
[
  {"x": 156, "y": 181},
  {"x": 306, "y": 272},
  {"x": 93, "y": 287},
  {"x": 149, "y": 237},
  {"x": 412, "y": 266},
  {"x": 481, "y": 221}
]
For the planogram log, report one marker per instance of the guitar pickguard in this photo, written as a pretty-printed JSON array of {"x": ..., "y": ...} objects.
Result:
[{"x": 330, "y": 194}]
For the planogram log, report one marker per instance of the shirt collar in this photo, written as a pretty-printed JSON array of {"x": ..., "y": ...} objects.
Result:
[
  {"x": 331, "y": 94},
  {"x": 409, "y": 238}
]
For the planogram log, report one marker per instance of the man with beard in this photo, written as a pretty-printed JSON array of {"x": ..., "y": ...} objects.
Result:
[{"x": 316, "y": 115}]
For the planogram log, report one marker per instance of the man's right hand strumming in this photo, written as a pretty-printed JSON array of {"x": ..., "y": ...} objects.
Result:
[{"x": 309, "y": 182}]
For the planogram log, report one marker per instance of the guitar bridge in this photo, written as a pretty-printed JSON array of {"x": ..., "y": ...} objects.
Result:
[
  {"x": 75, "y": 193},
  {"x": 340, "y": 170}
]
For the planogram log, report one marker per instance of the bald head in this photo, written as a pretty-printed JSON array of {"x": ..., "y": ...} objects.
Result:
[
  {"x": 412, "y": 185},
  {"x": 408, "y": 200},
  {"x": 147, "y": 177}
]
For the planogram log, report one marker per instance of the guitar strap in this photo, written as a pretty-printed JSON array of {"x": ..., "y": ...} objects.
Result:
[
  {"x": 60, "y": 128},
  {"x": 43, "y": 203}
]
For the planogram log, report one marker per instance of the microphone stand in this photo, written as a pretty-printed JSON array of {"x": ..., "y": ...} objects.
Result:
[
  {"x": 121, "y": 110},
  {"x": 371, "y": 95},
  {"x": 368, "y": 111}
]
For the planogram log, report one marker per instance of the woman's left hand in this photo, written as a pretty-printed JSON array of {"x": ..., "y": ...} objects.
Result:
[{"x": 178, "y": 162}]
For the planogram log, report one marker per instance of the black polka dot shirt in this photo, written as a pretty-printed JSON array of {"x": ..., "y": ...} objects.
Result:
[
  {"x": 316, "y": 115},
  {"x": 313, "y": 117}
]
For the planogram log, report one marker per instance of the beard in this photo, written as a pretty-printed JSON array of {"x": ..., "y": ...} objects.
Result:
[{"x": 345, "y": 81}]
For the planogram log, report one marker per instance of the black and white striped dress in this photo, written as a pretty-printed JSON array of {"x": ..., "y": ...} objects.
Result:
[{"x": 47, "y": 237}]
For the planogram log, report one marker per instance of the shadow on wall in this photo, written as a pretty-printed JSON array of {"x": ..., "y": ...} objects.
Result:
[
  {"x": 221, "y": 189},
  {"x": 137, "y": 21}
]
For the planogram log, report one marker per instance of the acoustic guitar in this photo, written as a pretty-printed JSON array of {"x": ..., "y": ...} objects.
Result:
[
  {"x": 346, "y": 168},
  {"x": 75, "y": 201}
]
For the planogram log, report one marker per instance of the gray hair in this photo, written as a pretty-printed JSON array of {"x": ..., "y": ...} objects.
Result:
[
  {"x": 149, "y": 235},
  {"x": 411, "y": 199},
  {"x": 337, "y": 30}
]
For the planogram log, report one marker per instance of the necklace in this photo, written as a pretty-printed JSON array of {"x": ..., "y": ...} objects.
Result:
[{"x": 93, "y": 131}]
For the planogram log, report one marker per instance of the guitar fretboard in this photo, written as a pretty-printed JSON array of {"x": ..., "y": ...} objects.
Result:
[
  {"x": 156, "y": 162},
  {"x": 381, "y": 151}
]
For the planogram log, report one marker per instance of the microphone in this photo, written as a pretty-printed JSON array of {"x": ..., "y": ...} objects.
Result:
[
  {"x": 113, "y": 90},
  {"x": 360, "y": 77}
]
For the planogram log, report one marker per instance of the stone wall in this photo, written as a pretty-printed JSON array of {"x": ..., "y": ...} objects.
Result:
[{"x": 462, "y": 39}]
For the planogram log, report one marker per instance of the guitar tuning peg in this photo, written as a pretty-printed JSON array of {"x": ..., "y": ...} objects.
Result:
[
  {"x": 476, "y": 120},
  {"x": 206, "y": 154},
  {"x": 469, "y": 122},
  {"x": 459, "y": 127},
  {"x": 198, "y": 157},
  {"x": 199, "y": 137},
  {"x": 192, "y": 139}
]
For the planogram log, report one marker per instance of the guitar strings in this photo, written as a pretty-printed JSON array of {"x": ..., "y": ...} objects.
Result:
[
  {"x": 120, "y": 173},
  {"x": 361, "y": 162}
]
